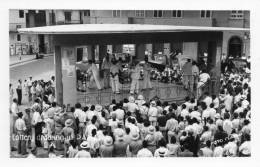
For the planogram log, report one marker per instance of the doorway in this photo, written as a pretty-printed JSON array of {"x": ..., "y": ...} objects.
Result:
[{"x": 235, "y": 47}]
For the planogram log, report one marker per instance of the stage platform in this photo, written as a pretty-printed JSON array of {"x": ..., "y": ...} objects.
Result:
[{"x": 165, "y": 91}]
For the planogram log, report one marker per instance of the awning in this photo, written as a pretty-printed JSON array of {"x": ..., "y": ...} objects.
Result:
[{"x": 120, "y": 28}]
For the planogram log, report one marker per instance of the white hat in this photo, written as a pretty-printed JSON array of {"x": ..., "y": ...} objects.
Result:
[
  {"x": 98, "y": 108},
  {"x": 151, "y": 129},
  {"x": 135, "y": 136},
  {"x": 68, "y": 122},
  {"x": 120, "y": 135},
  {"x": 217, "y": 116},
  {"x": 108, "y": 141},
  {"x": 131, "y": 99},
  {"x": 84, "y": 144},
  {"x": 153, "y": 103},
  {"x": 140, "y": 97}
]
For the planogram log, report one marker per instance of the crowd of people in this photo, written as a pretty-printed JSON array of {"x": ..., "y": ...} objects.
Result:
[{"x": 214, "y": 126}]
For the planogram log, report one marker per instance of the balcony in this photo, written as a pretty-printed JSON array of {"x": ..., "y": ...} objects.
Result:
[
  {"x": 67, "y": 22},
  {"x": 14, "y": 26}
]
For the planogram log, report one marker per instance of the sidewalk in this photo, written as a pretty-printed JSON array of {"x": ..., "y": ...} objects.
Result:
[{"x": 13, "y": 60}]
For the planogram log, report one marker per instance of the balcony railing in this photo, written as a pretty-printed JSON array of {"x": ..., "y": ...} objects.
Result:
[{"x": 66, "y": 22}]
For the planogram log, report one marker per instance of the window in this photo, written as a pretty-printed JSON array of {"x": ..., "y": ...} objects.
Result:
[
  {"x": 18, "y": 37},
  {"x": 21, "y": 14},
  {"x": 116, "y": 13},
  {"x": 18, "y": 26},
  {"x": 177, "y": 13},
  {"x": 87, "y": 13},
  {"x": 157, "y": 13},
  {"x": 205, "y": 14},
  {"x": 236, "y": 14},
  {"x": 67, "y": 16},
  {"x": 139, "y": 13}
]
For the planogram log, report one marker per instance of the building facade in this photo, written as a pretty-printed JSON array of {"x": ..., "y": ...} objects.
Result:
[{"x": 234, "y": 44}]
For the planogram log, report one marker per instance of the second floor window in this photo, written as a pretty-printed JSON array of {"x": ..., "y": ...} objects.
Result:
[
  {"x": 67, "y": 16},
  {"x": 87, "y": 13},
  {"x": 18, "y": 37},
  {"x": 177, "y": 13},
  {"x": 116, "y": 13},
  {"x": 21, "y": 14},
  {"x": 18, "y": 26},
  {"x": 205, "y": 14},
  {"x": 139, "y": 13},
  {"x": 236, "y": 14},
  {"x": 157, "y": 13}
]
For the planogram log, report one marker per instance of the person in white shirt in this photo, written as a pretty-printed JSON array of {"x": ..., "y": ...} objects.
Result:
[
  {"x": 184, "y": 111},
  {"x": 218, "y": 151},
  {"x": 228, "y": 101},
  {"x": 203, "y": 78},
  {"x": 162, "y": 151},
  {"x": 212, "y": 111},
  {"x": 144, "y": 152},
  {"x": 14, "y": 107},
  {"x": 215, "y": 101},
  {"x": 131, "y": 105},
  {"x": 245, "y": 147},
  {"x": 207, "y": 99},
  {"x": 195, "y": 114},
  {"x": 20, "y": 128},
  {"x": 230, "y": 149},
  {"x": 84, "y": 152},
  {"x": 227, "y": 124},
  {"x": 135, "y": 76},
  {"x": 37, "y": 123},
  {"x": 93, "y": 143},
  {"x": 89, "y": 128},
  {"x": 153, "y": 113},
  {"x": 206, "y": 151}
]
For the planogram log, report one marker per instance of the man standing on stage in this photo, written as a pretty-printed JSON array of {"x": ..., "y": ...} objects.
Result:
[
  {"x": 187, "y": 73},
  {"x": 114, "y": 71},
  {"x": 147, "y": 69},
  {"x": 135, "y": 76}
]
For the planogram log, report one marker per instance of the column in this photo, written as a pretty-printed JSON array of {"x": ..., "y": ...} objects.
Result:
[
  {"x": 102, "y": 53},
  {"x": 58, "y": 74},
  {"x": 140, "y": 52}
]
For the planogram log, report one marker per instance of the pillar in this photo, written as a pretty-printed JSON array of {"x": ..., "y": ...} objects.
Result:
[
  {"x": 58, "y": 74},
  {"x": 102, "y": 53},
  {"x": 140, "y": 51}
]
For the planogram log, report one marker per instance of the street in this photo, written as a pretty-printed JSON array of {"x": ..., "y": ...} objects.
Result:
[{"x": 38, "y": 69}]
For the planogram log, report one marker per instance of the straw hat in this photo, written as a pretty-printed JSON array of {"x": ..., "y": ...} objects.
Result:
[
  {"x": 140, "y": 97},
  {"x": 151, "y": 129},
  {"x": 84, "y": 144},
  {"x": 108, "y": 141},
  {"x": 68, "y": 122},
  {"x": 98, "y": 108},
  {"x": 120, "y": 135},
  {"x": 153, "y": 103},
  {"x": 131, "y": 99},
  {"x": 135, "y": 136}
]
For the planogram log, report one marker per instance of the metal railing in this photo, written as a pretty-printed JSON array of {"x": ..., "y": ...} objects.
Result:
[{"x": 169, "y": 92}]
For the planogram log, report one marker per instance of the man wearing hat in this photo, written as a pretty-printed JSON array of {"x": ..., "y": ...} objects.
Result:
[
  {"x": 150, "y": 138},
  {"x": 68, "y": 134},
  {"x": 135, "y": 144},
  {"x": 144, "y": 152},
  {"x": 106, "y": 149},
  {"x": 135, "y": 76},
  {"x": 20, "y": 128},
  {"x": 120, "y": 146},
  {"x": 84, "y": 152},
  {"x": 153, "y": 113}
]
